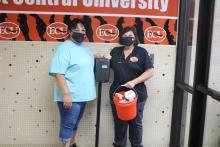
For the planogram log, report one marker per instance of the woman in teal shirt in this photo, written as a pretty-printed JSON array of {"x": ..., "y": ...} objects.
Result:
[{"x": 72, "y": 66}]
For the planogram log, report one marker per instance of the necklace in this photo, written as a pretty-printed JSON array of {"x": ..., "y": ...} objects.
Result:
[{"x": 124, "y": 59}]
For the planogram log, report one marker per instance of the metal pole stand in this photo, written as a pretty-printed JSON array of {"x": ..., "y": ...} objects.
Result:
[{"x": 98, "y": 114}]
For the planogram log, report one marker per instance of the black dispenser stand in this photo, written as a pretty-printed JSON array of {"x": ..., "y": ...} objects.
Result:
[
  {"x": 102, "y": 71},
  {"x": 98, "y": 114}
]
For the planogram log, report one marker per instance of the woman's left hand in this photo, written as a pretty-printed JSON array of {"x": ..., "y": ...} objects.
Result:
[
  {"x": 107, "y": 56},
  {"x": 130, "y": 84}
]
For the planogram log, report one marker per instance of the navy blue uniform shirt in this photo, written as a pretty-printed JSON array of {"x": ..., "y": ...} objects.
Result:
[{"x": 130, "y": 68}]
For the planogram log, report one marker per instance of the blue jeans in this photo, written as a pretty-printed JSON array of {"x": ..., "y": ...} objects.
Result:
[
  {"x": 69, "y": 119},
  {"x": 135, "y": 128}
]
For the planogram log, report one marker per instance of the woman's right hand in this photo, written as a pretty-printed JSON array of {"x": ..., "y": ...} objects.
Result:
[{"x": 67, "y": 102}]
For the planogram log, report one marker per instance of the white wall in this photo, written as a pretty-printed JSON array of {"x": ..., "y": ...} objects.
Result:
[{"x": 27, "y": 89}]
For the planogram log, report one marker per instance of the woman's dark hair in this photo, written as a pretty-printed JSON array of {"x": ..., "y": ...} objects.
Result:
[
  {"x": 74, "y": 23},
  {"x": 127, "y": 29}
]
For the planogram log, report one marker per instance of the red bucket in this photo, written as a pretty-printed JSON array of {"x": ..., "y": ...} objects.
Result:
[{"x": 125, "y": 111}]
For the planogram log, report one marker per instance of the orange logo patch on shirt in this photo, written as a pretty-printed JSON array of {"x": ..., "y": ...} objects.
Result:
[{"x": 134, "y": 59}]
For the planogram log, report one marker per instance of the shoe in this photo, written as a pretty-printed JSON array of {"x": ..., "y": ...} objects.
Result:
[{"x": 74, "y": 145}]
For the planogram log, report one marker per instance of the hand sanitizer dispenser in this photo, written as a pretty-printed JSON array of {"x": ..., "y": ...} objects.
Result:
[{"x": 102, "y": 69}]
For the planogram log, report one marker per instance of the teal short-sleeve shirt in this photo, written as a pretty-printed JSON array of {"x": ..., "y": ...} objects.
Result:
[{"x": 76, "y": 63}]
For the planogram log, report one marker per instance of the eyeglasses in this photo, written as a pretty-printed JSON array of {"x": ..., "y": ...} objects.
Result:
[{"x": 78, "y": 32}]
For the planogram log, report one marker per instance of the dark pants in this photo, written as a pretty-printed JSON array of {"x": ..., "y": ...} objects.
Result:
[{"x": 135, "y": 128}]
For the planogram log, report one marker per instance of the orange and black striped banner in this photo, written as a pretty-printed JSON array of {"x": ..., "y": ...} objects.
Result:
[{"x": 47, "y": 20}]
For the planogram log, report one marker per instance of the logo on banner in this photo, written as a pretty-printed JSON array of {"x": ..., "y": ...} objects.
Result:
[
  {"x": 9, "y": 30},
  {"x": 107, "y": 32},
  {"x": 155, "y": 34},
  {"x": 57, "y": 30}
]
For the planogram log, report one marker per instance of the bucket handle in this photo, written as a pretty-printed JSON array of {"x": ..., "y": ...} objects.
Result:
[{"x": 120, "y": 86}]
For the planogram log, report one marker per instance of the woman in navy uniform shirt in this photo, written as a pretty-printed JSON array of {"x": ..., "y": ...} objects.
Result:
[{"x": 132, "y": 67}]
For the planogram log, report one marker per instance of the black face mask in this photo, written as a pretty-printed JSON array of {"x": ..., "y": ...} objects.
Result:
[
  {"x": 127, "y": 41},
  {"x": 78, "y": 37}
]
